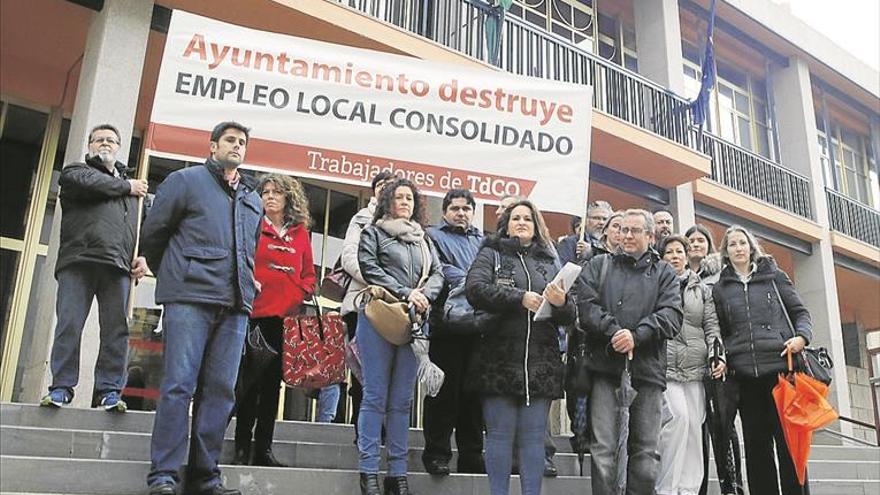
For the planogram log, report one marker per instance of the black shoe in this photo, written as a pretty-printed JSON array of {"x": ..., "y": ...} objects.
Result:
[
  {"x": 267, "y": 459},
  {"x": 550, "y": 470},
  {"x": 220, "y": 490},
  {"x": 396, "y": 485},
  {"x": 163, "y": 489},
  {"x": 471, "y": 465},
  {"x": 436, "y": 467},
  {"x": 370, "y": 484}
]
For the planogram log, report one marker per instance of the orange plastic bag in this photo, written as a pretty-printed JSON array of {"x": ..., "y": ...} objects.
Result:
[{"x": 802, "y": 408}]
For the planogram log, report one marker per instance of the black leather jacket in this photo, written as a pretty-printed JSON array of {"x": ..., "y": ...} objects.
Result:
[{"x": 397, "y": 265}]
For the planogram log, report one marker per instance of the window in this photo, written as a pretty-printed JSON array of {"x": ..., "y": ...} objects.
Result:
[
  {"x": 853, "y": 172},
  {"x": 739, "y": 111},
  {"x": 852, "y": 353},
  {"x": 570, "y": 19}
]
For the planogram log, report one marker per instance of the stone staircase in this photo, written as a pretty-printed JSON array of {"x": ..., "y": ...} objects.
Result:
[{"x": 79, "y": 451}]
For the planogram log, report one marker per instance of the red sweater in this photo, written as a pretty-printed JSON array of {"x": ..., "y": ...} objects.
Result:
[{"x": 284, "y": 268}]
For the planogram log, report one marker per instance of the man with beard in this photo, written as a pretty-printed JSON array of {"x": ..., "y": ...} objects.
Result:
[
  {"x": 99, "y": 204},
  {"x": 664, "y": 226}
]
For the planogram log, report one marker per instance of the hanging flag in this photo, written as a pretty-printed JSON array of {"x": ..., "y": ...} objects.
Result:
[{"x": 700, "y": 104}]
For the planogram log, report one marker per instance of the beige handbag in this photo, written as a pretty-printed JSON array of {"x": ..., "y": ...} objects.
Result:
[{"x": 392, "y": 318}]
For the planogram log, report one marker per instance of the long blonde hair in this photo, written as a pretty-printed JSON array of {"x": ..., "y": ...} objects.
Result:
[
  {"x": 296, "y": 203},
  {"x": 755, "y": 250}
]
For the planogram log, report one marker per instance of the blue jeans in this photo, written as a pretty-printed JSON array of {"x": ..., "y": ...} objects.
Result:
[
  {"x": 328, "y": 401},
  {"x": 78, "y": 286},
  {"x": 643, "y": 460},
  {"x": 203, "y": 346},
  {"x": 389, "y": 379},
  {"x": 508, "y": 418}
]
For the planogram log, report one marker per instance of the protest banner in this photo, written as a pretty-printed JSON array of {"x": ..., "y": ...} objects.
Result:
[{"x": 343, "y": 114}]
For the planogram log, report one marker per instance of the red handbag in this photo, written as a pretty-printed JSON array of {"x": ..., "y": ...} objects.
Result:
[{"x": 314, "y": 350}]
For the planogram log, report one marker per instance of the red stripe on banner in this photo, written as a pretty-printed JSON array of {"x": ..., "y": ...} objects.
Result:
[
  {"x": 340, "y": 166},
  {"x": 146, "y": 393}
]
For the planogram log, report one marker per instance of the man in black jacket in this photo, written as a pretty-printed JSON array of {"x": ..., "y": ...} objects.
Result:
[
  {"x": 457, "y": 242},
  {"x": 99, "y": 204},
  {"x": 629, "y": 305}
]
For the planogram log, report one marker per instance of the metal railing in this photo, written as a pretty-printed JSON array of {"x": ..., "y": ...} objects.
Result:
[
  {"x": 752, "y": 174},
  {"x": 527, "y": 49},
  {"x": 853, "y": 218}
]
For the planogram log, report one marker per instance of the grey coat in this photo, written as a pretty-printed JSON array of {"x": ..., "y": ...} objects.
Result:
[{"x": 687, "y": 353}]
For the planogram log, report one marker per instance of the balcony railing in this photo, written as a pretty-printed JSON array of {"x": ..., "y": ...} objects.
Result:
[
  {"x": 752, "y": 174},
  {"x": 529, "y": 50},
  {"x": 853, "y": 218}
]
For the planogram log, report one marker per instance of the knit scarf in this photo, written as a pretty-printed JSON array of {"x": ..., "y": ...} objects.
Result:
[{"x": 401, "y": 228}]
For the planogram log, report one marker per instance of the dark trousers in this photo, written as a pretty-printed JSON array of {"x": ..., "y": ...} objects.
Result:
[
  {"x": 78, "y": 286},
  {"x": 258, "y": 404},
  {"x": 761, "y": 431},
  {"x": 454, "y": 408}
]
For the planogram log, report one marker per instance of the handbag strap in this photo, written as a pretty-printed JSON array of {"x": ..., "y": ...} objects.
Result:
[
  {"x": 784, "y": 309},
  {"x": 314, "y": 302}
]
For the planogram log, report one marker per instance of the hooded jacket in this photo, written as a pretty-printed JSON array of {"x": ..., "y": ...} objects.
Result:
[
  {"x": 687, "y": 353},
  {"x": 99, "y": 217},
  {"x": 641, "y": 295},
  {"x": 752, "y": 318},
  {"x": 519, "y": 356}
]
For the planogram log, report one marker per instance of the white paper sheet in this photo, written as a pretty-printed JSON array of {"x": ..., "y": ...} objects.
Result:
[{"x": 567, "y": 275}]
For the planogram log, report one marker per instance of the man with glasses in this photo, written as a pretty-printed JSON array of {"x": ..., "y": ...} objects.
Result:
[
  {"x": 99, "y": 204},
  {"x": 629, "y": 305},
  {"x": 571, "y": 249}
]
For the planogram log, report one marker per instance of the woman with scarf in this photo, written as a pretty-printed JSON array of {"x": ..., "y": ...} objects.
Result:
[
  {"x": 285, "y": 276},
  {"x": 392, "y": 255},
  {"x": 517, "y": 369},
  {"x": 681, "y": 438}
]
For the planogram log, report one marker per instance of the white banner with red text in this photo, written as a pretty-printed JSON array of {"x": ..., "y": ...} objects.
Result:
[{"x": 343, "y": 114}]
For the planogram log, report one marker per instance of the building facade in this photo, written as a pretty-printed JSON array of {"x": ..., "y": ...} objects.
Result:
[{"x": 790, "y": 148}]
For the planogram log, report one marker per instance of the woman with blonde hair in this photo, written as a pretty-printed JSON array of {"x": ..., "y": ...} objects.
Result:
[
  {"x": 755, "y": 301},
  {"x": 285, "y": 275}
]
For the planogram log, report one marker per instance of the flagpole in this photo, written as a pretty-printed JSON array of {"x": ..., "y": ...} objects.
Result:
[{"x": 141, "y": 175}]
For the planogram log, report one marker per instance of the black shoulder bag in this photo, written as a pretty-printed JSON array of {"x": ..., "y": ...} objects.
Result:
[{"x": 816, "y": 360}]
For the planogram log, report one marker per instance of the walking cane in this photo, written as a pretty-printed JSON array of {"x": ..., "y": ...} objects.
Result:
[{"x": 141, "y": 175}]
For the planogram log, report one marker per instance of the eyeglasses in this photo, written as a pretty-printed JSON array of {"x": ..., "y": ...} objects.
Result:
[
  {"x": 632, "y": 230},
  {"x": 108, "y": 140}
]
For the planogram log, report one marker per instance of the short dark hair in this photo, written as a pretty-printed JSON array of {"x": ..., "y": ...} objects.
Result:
[
  {"x": 663, "y": 209},
  {"x": 380, "y": 177},
  {"x": 222, "y": 127},
  {"x": 574, "y": 223},
  {"x": 458, "y": 193},
  {"x": 702, "y": 229},
  {"x": 685, "y": 243},
  {"x": 105, "y": 127},
  {"x": 383, "y": 208}
]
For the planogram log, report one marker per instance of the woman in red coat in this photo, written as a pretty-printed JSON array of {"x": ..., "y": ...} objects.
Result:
[{"x": 285, "y": 277}]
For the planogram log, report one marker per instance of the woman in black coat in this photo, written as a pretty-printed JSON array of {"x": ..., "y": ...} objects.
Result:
[
  {"x": 518, "y": 370},
  {"x": 752, "y": 297}
]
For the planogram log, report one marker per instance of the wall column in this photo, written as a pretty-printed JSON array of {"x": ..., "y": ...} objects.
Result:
[
  {"x": 107, "y": 92},
  {"x": 658, "y": 39},
  {"x": 813, "y": 275}
]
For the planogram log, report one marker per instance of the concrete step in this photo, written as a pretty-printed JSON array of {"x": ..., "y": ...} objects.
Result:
[
  {"x": 99, "y": 477},
  {"x": 127, "y": 446},
  {"x": 31, "y": 475},
  {"x": 294, "y": 431}
]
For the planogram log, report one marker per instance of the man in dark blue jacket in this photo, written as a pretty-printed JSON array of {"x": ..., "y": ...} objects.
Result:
[
  {"x": 457, "y": 242},
  {"x": 201, "y": 236},
  {"x": 99, "y": 203}
]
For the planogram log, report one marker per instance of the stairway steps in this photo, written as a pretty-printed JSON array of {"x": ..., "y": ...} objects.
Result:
[{"x": 89, "y": 452}]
